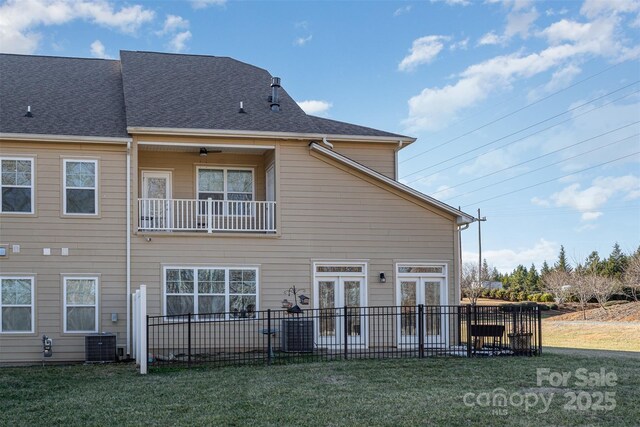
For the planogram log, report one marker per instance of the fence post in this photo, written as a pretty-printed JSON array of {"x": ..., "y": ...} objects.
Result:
[
  {"x": 144, "y": 330},
  {"x": 346, "y": 332},
  {"x": 539, "y": 331},
  {"x": 269, "y": 337},
  {"x": 189, "y": 341},
  {"x": 469, "y": 330},
  {"x": 420, "y": 331}
]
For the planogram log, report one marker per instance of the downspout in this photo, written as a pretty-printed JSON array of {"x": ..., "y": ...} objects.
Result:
[
  {"x": 128, "y": 250},
  {"x": 459, "y": 290},
  {"x": 395, "y": 160}
]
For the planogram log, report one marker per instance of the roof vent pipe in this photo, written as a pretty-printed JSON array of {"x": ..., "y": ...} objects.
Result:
[{"x": 275, "y": 99}]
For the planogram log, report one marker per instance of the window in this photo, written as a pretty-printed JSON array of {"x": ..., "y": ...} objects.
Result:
[
  {"x": 230, "y": 185},
  {"x": 81, "y": 304},
  {"x": 80, "y": 187},
  {"x": 211, "y": 292},
  {"x": 16, "y": 304},
  {"x": 17, "y": 185}
]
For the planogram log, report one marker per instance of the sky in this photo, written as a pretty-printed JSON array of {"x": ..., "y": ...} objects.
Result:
[{"x": 526, "y": 110}]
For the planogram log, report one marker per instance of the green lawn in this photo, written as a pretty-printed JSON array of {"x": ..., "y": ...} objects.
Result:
[{"x": 388, "y": 392}]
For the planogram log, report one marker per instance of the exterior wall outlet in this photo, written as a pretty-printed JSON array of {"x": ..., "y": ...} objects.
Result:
[
  {"x": 64, "y": 252},
  {"x": 15, "y": 249},
  {"x": 46, "y": 251}
]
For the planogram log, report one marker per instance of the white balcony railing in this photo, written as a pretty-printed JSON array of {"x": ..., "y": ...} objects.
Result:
[{"x": 206, "y": 215}]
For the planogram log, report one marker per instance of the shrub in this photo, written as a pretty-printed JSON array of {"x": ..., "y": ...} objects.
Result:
[
  {"x": 553, "y": 306},
  {"x": 546, "y": 297},
  {"x": 485, "y": 293}
]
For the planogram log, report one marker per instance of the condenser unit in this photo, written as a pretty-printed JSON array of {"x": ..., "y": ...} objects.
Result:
[
  {"x": 100, "y": 348},
  {"x": 297, "y": 335}
]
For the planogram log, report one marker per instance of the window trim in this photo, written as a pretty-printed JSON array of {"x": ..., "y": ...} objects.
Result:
[
  {"x": 96, "y": 304},
  {"x": 32, "y": 306},
  {"x": 195, "y": 293},
  {"x": 32, "y": 186},
  {"x": 96, "y": 187},
  {"x": 445, "y": 298},
  {"x": 225, "y": 170}
]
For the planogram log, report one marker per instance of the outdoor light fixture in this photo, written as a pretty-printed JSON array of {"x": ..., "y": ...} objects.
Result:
[
  {"x": 382, "y": 278},
  {"x": 203, "y": 152}
]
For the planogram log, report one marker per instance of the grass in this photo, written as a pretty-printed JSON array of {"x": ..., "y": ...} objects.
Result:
[
  {"x": 622, "y": 336},
  {"x": 387, "y": 392}
]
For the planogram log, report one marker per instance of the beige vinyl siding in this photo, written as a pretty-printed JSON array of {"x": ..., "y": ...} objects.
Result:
[
  {"x": 376, "y": 156},
  {"x": 326, "y": 213},
  {"x": 96, "y": 247}
]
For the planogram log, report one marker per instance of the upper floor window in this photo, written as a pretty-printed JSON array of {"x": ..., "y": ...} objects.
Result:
[
  {"x": 225, "y": 184},
  {"x": 16, "y": 304},
  {"x": 17, "y": 185},
  {"x": 80, "y": 187}
]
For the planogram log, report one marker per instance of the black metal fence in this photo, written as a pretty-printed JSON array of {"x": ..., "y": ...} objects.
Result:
[{"x": 278, "y": 336}]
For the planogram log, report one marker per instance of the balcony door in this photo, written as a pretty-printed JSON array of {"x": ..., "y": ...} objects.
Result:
[{"x": 155, "y": 210}]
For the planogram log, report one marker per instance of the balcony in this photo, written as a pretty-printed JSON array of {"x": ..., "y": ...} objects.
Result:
[{"x": 193, "y": 215}]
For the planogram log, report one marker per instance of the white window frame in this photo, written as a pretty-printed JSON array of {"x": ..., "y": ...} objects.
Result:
[
  {"x": 363, "y": 339},
  {"x": 96, "y": 198},
  {"x": 32, "y": 186},
  {"x": 96, "y": 304},
  {"x": 195, "y": 294},
  {"x": 444, "y": 298},
  {"x": 225, "y": 191},
  {"x": 32, "y": 305}
]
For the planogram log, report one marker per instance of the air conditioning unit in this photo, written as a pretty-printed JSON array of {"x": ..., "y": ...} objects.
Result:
[
  {"x": 100, "y": 347},
  {"x": 296, "y": 335}
]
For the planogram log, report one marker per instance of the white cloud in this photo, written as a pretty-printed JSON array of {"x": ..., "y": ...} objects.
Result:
[
  {"x": 540, "y": 202},
  {"x": 505, "y": 260},
  {"x": 173, "y": 23},
  {"x": 519, "y": 22},
  {"x": 315, "y": 107},
  {"x": 423, "y": 51},
  {"x": 602, "y": 189},
  {"x": 462, "y": 45},
  {"x": 402, "y": 10},
  {"x": 19, "y": 19},
  {"x": 201, "y": 4},
  {"x": 591, "y": 216},
  {"x": 593, "y": 8},
  {"x": 559, "y": 80},
  {"x": 98, "y": 50},
  {"x": 179, "y": 42},
  {"x": 489, "y": 39},
  {"x": 435, "y": 108},
  {"x": 301, "y": 41},
  {"x": 453, "y": 2}
]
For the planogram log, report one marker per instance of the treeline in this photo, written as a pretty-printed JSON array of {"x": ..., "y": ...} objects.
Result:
[{"x": 594, "y": 278}]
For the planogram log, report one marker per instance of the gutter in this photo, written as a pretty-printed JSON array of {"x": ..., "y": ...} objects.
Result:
[
  {"x": 128, "y": 249},
  {"x": 227, "y": 133},
  {"x": 34, "y": 137}
]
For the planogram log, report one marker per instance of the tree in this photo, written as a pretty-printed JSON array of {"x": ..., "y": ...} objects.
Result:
[
  {"x": 582, "y": 287},
  {"x": 484, "y": 272},
  {"x": 604, "y": 288},
  {"x": 562, "y": 263},
  {"x": 531, "y": 281},
  {"x": 558, "y": 284},
  {"x": 545, "y": 269},
  {"x": 469, "y": 283},
  {"x": 615, "y": 265},
  {"x": 631, "y": 275},
  {"x": 518, "y": 278}
]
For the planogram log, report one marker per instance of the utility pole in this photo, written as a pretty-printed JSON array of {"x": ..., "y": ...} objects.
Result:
[{"x": 480, "y": 219}]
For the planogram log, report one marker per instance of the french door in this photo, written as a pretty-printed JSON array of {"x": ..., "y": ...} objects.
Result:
[
  {"x": 431, "y": 293},
  {"x": 333, "y": 294},
  {"x": 156, "y": 207}
]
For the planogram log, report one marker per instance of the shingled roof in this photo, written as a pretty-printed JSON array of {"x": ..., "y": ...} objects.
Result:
[
  {"x": 68, "y": 96},
  {"x": 96, "y": 97}
]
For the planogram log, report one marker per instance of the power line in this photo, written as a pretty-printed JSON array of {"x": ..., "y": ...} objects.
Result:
[
  {"x": 553, "y": 179},
  {"x": 517, "y": 140},
  {"x": 512, "y": 113},
  {"x": 544, "y": 155}
]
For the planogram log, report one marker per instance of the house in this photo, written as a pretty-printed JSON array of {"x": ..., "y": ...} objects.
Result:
[{"x": 200, "y": 177}]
